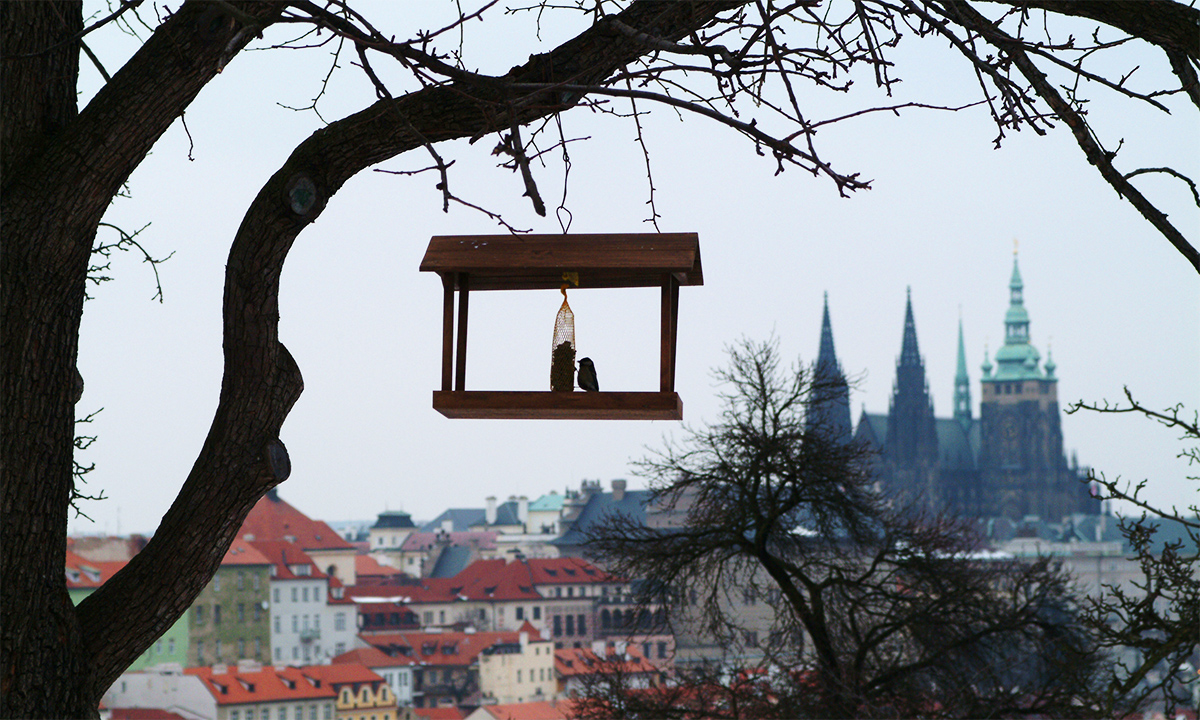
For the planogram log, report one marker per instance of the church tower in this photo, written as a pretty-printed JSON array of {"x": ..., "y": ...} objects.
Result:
[
  {"x": 1023, "y": 469},
  {"x": 829, "y": 410},
  {"x": 910, "y": 450},
  {"x": 962, "y": 386}
]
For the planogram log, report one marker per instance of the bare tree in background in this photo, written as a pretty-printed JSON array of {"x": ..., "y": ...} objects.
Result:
[
  {"x": 749, "y": 66},
  {"x": 900, "y": 615},
  {"x": 1159, "y": 618}
]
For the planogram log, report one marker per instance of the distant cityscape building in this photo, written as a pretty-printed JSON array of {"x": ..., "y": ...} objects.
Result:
[{"x": 1009, "y": 462}]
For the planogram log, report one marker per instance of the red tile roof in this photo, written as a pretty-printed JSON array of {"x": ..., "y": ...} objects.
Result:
[
  {"x": 570, "y": 662},
  {"x": 89, "y": 574},
  {"x": 283, "y": 555},
  {"x": 540, "y": 710},
  {"x": 365, "y": 565},
  {"x": 272, "y": 518},
  {"x": 373, "y": 657},
  {"x": 439, "y": 713},
  {"x": 241, "y": 552},
  {"x": 341, "y": 673},
  {"x": 144, "y": 714},
  {"x": 485, "y": 539},
  {"x": 489, "y": 580},
  {"x": 269, "y": 684},
  {"x": 445, "y": 648}
]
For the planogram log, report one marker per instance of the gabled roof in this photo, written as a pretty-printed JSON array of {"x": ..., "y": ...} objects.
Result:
[
  {"x": 451, "y": 562},
  {"x": 444, "y": 648},
  {"x": 284, "y": 556},
  {"x": 461, "y": 519},
  {"x": 341, "y": 674},
  {"x": 539, "y": 710},
  {"x": 600, "y": 506},
  {"x": 958, "y": 446},
  {"x": 446, "y": 712},
  {"x": 373, "y": 657},
  {"x": 572, "y": 662},
  {"x": 367, "y": 566},
  {"x": 241, "y": 552},
  {"x": 269, "y": 684},
  {"x": 272, "y": 518},
  {"x": 551, "y": 502},
  {"x": 485, "y": 539},
  {"x": 89, "y": 574}
]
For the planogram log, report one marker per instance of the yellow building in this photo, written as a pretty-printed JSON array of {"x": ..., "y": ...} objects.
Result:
[
  {"x": 360, "y": 693},
  {"x": 518, "y": 672}
]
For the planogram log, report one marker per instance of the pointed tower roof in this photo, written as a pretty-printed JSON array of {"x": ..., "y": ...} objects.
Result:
[
  {"x": 830, "y": 405},
  {"x": 910, "y": 354},
  {"x": 962, "y": 384},
  {"x": 1017, "y": 359}
]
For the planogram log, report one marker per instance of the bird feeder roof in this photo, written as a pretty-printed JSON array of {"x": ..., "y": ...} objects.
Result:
[{"x": 534, "y": 262}]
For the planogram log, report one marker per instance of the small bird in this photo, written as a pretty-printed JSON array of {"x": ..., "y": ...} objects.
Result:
[{"x": 587, "y": 375}]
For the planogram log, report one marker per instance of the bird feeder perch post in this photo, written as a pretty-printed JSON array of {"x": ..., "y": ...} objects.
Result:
[{"x": 536, "y": 262}]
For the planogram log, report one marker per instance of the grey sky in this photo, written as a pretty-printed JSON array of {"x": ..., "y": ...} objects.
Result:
[{"x": 1117, "y": 305}]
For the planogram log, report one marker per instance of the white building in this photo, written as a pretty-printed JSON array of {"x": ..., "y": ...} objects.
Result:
[{"x": 310, "y": 621}]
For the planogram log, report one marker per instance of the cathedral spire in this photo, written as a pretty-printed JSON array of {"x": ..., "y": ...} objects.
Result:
[
  {"x": 830, "y": 406},
  {"x": 910, "y": 355},
  {"x": 962, "y": 384}
]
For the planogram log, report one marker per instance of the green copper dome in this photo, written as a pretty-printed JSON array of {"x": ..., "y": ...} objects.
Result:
[{"x": 1017, "y": 359}]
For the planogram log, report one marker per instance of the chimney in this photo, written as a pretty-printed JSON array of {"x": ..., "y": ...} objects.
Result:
[
  {"x": 489, "y": 514},
  {"x": 523, "y": 509},
  {"x": 618, "y": 490},
  {"x": 447, "y": 526}
]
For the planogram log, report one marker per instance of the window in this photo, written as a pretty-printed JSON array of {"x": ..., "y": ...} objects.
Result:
[
  {"x": 537, "y": 612},
  {"x": 282, "y": 715},
  {"x": 277, "y": 625},
  {"x": 339, "y": 621},
  {"x": 170, "y": 646},
  {"x": 295, "y": 623},
  {"x": 520, "y": 613},
  {"x": 233, "y": 715},
  {"x": 317, "y": 594},
  {"x": 250, "y": 714},
  {"x": 339, "y": 648},
  {"x": 298, "y": 714},
  {"x": 316, "y": 622},
  {"x": 241, "y": 647},
  {"x": 254, "y": 578},
  {"x": 217, "y": 650},
  {"x": 748, "y": 596},
  {"x": 257, "y": 612},
  {"x": 278, "y": 653},
  {"x": 158, "y": 647},
  {"x": 662, "y": 650},
  {"x": 295, "y": 594},
  {"x": 482, "y": 614},
  {"x": 645, "y": 649},
  {"x": 570, "y": 624},
  {"x": 304, "y": 594},
  {"x": 328, "y": 711},
  {"x": 275, "y": 594},
  {"x": 582, "y": 626},
  {"x": 570, "y": 592},
  {"x": 557, "y": 626},
  {"x": 557, "y": 592},
  {"x": 216, "y": 613},
  {"x": 304, "y": 623},
  {"x": 427, "y": 617},
  {"x": 441, "y": 617},
  {"x": 217, "y": 583},
  {"x": 518, "y": 676},
  {"x": 200, "y": 653},
  {"x": 241, "y": 612},
  {"x": 295, "y": 653},
  {"x": 199, "y": 615},
  {"x": 241, "y": 585}
]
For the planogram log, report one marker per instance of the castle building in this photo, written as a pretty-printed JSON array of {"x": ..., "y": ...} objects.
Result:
[{"x": 1009, "y": 462}]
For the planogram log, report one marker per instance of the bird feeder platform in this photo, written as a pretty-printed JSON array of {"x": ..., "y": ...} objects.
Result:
[{"x": 537, "y": 262}]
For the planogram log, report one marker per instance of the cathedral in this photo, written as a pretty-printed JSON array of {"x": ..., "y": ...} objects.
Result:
[{"x": 1007, "y": 462}]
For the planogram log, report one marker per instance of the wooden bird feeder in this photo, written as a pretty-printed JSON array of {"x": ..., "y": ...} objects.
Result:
[{"x": 537, "y": 262}]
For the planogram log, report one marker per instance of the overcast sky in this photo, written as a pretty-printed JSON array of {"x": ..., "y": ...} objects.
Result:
[{"x": 1105, "y": 292}]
